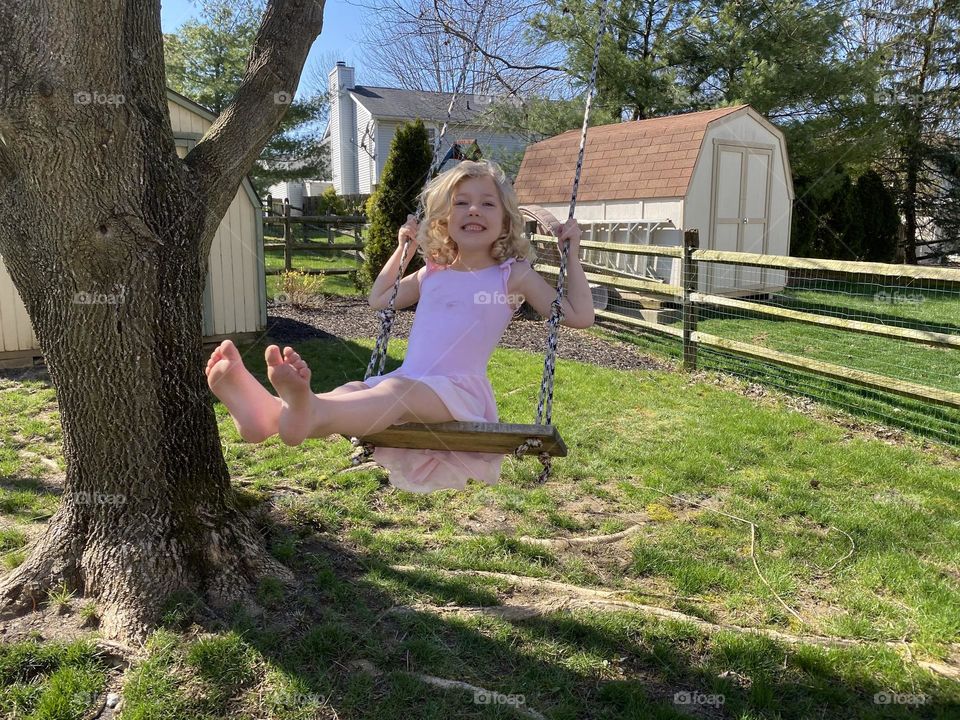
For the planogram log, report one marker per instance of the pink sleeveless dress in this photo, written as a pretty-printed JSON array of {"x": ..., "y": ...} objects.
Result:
[{"x": 460, "y": 318}]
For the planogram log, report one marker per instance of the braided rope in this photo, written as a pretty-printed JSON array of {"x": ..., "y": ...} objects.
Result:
[
  {"x": 378, "y": 357},
  {"x": 545, "y": 400}
]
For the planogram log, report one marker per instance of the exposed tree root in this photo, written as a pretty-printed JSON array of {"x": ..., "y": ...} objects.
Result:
[
  {"x": 565, "y": 597},
  {"x": 130, "y": 578},
  {"x": 368, "y": 667},
  {"x": 52, "y": 562},
  {"x": 571, "y": 541}
]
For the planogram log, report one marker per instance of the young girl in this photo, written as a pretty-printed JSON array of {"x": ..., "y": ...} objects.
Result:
[{"x": 476, "y": 275}]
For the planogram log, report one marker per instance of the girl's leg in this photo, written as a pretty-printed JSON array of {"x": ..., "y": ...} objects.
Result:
[
  {"x": 274, "y": 413},
  {"x": 364, "y": 412},
  {"x": 348, "y": 388},
  {"x": 360, "y": 413}
]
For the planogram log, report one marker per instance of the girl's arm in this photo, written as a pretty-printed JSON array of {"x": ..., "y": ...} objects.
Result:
[
  {"x": 409, "y": 291},
  {"x": 577, "y": 302}
]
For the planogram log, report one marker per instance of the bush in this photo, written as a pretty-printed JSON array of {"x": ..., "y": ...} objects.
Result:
[
  {"x": 299, "y": 289},
  {"x": 838, "y": 219},
  {"x": 396, "y": 197},
  {"x": 330, "y": 203}
]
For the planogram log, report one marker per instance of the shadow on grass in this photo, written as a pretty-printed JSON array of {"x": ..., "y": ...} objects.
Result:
[{"x": 598, "y": 665}]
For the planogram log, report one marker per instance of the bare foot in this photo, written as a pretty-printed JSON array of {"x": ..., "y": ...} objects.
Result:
[
  {"x": 254, "y": 410},
  {"x": 290, "y": 375}
]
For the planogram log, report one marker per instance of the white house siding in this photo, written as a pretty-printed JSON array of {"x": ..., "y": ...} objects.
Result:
[
  {"x": 184, "y": 121},
  {"x": 343, "y": 127},
  {"x": 279, "y": 191},
  {"x": 487, "y": 140},
  {"x": 233, "y": 270},
  {"x": 290, "y": 191},
  {"x": 742, "y": 129},
  {"x": 16, "y": 332},
  {"x": 386, "y": 129},
  {"x": 365, "y": 163}
]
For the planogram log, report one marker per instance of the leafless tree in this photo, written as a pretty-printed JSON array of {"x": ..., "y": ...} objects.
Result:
[{"x": 422, "y": 45}]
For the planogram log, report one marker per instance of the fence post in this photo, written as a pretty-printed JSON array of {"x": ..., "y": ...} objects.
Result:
[
  {"x": 287, "y": 237},
  {"x": 331, "y": 235},
  {"x": 690, "y": 276}
]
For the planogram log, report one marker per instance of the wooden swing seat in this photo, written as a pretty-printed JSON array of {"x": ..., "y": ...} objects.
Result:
[{"x": 469, "y": 437}]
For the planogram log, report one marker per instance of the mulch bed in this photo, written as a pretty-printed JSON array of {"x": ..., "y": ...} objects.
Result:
[{"x": 344, "y": 317}]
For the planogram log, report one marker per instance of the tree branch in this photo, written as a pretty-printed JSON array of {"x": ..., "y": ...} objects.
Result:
[
  {"x": 451, "y": 29},
  {"x": 230, "y": 147}
]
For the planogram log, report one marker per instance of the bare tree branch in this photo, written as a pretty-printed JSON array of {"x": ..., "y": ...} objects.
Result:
[{"x": 451, "y": 29}]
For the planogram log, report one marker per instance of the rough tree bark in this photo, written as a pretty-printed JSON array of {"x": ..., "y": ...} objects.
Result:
[{"x": 96, "y": 201}]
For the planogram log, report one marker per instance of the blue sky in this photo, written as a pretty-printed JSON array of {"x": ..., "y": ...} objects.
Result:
[{"x": 339, "y": 37}]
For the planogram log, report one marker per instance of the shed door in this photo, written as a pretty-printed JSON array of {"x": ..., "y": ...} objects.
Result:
[{"x": 741, "y": 181}]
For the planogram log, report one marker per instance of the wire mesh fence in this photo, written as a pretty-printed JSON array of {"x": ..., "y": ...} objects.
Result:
[{"x": 879, "y": 341}]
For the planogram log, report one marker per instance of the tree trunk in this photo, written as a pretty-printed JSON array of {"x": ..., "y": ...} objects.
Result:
[
  {"x": 106, "y": 234},
  {"x": 147, "y": 507},
  {"x": 910, "y": 207}
]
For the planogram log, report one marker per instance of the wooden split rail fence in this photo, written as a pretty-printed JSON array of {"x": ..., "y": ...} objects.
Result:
[
  {"x": 353, "y": 223},
  {"x": 691, "y": 300}
]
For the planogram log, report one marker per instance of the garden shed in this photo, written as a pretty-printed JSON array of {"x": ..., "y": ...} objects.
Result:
[
  {"x": 234, "y": 299},
  {"x": 723, "y": 172}
]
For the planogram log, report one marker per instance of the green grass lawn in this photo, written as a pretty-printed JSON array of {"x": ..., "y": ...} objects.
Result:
[
  {"x": 330, "y": 284},
  {"x": 937, "y": 309},
  {"x": 859, "y": 538},
  {"x": 922, "y": 364}
]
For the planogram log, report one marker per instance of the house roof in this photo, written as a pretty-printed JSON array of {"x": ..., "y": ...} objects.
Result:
[
  {"x": 193, "y": 105},
  {"x": 622, "y": 161},
  {"x": 404, "y": 104}
]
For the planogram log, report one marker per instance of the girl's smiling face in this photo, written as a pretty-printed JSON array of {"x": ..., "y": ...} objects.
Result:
[{"x": 476, "y": 214}]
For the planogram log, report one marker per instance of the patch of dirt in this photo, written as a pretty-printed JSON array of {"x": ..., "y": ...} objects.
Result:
[{"x": 48, "y": 623}]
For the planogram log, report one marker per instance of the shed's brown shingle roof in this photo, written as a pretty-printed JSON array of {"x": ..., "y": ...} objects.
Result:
[{"x": 623, "y": 161}]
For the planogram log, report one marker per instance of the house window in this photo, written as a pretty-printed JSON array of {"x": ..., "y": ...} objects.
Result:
[{"x": 432, "y": 135}]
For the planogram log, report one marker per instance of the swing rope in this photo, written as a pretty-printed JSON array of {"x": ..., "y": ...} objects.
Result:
[
  {"x": 545, "y": 400},
  {"x": 387, "y": 314},
  {"x": 379, "y": 356}
]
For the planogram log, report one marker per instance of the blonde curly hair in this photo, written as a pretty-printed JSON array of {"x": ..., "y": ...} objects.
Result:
[{"x": 433, "y": 236}]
